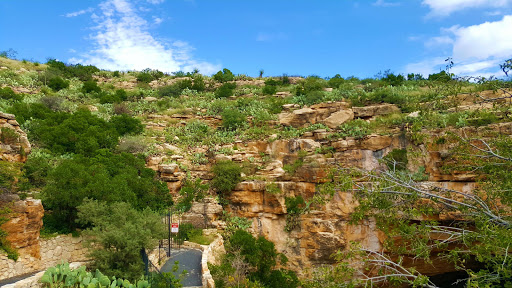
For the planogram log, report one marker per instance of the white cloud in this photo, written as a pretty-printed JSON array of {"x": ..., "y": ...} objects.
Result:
[
  {"x": 78, "y": 13},
  {"x": 441, "y": 8},
  {"x": 383, "y": 3},
  {"x": 477, "y": 50},
  {"x": 157, "y": 20},
  {"x": 122, "y": 42},
  {"x": 156, "y": 1},
  {"x": 426, "y": 67},
  {"x": 483, "y": 41}
]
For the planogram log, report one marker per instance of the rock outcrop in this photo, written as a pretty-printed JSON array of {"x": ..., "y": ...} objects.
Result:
[{"x": 14, "y": 145}]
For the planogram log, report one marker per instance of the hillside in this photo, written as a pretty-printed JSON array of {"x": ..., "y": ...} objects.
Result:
[{"x": 399, "y": 168}]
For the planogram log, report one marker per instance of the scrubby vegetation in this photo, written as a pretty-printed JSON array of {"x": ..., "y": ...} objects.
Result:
[{"x": 93, "y": 132}]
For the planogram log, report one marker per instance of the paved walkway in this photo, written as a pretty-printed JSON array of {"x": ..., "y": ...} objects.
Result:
[{"x": 190, "y": 260}]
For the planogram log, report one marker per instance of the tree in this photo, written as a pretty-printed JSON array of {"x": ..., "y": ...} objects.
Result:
[
  {"x": 107, "y": 177},
  {"x": 118, "y": 234}
]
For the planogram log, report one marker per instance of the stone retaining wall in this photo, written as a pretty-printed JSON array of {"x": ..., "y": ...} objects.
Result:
[{"x": 63, "y": 248}]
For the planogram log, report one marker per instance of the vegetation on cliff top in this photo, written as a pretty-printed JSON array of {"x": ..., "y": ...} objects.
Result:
[{"x": 82, "y": 121}]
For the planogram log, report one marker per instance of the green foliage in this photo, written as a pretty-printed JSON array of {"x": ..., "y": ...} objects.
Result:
[
  {"x": 440, "y": 77},
  {"x": 392, "y": 79},
  {"x": 147, "y": 75},
  {"x": 255, "y": 256},
  {"x": 90, "y": 86},
  {"x": 81, "y": 133},
  {"x": 226, "y": 176},
  {"x": 396, "y": 160},
  {"x": 295, "y": 206},
  {"x": 176, "y": 89},
  {"x": 310, "y": 98},
  {"x": 233, "y": 119},
  {"x": 310, "y": 84},
  {"x": 84, "y": 73},
  {"x": 224, "y": 76},
  {"x": 198, "y": 84},
  {"x": 125, "y": 124},
  {"x": 225, "y": 90},
  {"x": 57, "y": 83},
  {"x": 119, "y": 232},
  {"x": 270, "y": 87},
  {"x": 107, "y": 177},
  {"x": 7, "y": 94},
  {"x": 62, "y": 276},
  {"x": 8, "y": 136},
  {"x": 336, "y": 81},
  {"x": 191, "y": 191},
  {"x": 357, "y": 128},
  {"x": 234, "y": 223},
  {"x": 9, "y": 176},
  {"x": 25, "y": 111}
]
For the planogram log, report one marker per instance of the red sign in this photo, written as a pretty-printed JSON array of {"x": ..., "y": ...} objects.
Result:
[{"x": 174, "y": 227}]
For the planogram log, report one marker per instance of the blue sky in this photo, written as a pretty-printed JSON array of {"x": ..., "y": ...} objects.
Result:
[{"x": 297, "y": 37}]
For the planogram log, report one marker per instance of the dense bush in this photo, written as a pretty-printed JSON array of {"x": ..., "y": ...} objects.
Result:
[
  {"x": 81, "y": 133},
  {"x": 57, "y": 83},
  {"x": 255, "y": 258},
  {"x": 91, "y": 86},
  {"x": 199, "y": 84},
  {"x": 147, "y": 75},
  {"x": 233, "y": 119},
  {"x": 224, "y": 76},
  {"x": 191, "y": 191},
  {"x": 312, "y": 83},
  {"x": 226, "y": 176},
  {"x": 108, "y": 177},
  {"x": 225, "y": 90},
  {"x": 393, "y": 80},
  {"x": 84, "y": 73},
  {"x": 25, "y": 111},
  {"x": 336, "y": 81},
  {"x": 7, "y": 94},
  {"x": 125, "y": 124},
  {"x": 119, "y": 232},
  {"x": 270, "y": 87},
  {"x": 175, "y": 89}
]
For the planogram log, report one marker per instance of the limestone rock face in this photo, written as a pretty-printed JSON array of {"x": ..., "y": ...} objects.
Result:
[
  {"x": 14, "y": 145},
  {"x": 338, "y": 118},
  {"x": 318, "y": 113},
  {"x": 25, "y": 221},
  {"x": 375, "y": 110}
]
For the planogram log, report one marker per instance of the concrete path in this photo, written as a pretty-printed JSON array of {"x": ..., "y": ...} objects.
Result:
[{"x": 190, "y": 260}]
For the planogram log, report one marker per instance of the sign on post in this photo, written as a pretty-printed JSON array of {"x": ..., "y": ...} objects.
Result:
[{"x": 174, "y": 227}]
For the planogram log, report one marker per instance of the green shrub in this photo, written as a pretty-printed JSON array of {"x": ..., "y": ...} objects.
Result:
[
  {"x": 80, "y": 132},
  {"x": 84, "y": 73},
  {"x": 52, "y": 102},
  {"x": 225, "y": 90},
  {"x": 7, "y": 94},
  {"x": 233, "y": 119},
  {"x": 90, "y": 86},
  {"x": 25, "y": 111},
  {"x": 396, "y": 160},
  {"x": 336, "y": 81},
  {"x": 118, "y": 234},
  {"x": 57, "y": 83},
  {"x": 269, "y": 90},
  {"x": 312, "y": 83},
  {"x": 226, "y": 176},
  {"x": 147, "y": 75},
  {"x": 357, "y": 128},
  {"x": 224, "y": 76},
  {"x": 191, "y": 191},
  {"x": 8, "y": 136},
  {"x": 107, "y": 177},
  {"x": 199, "y": 84},
  {"x": 125, "y": 124},
  {"x": 393, "y": 80}
]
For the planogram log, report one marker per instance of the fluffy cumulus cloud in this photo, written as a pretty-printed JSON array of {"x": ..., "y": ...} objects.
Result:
[
  {"x": 476, "y": 49},
  {"x": 122, "y": 41},
  {"x": 446, "y": 7}
]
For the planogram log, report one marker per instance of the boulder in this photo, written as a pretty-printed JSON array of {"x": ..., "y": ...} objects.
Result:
[{"x": 338, "y": 118}]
